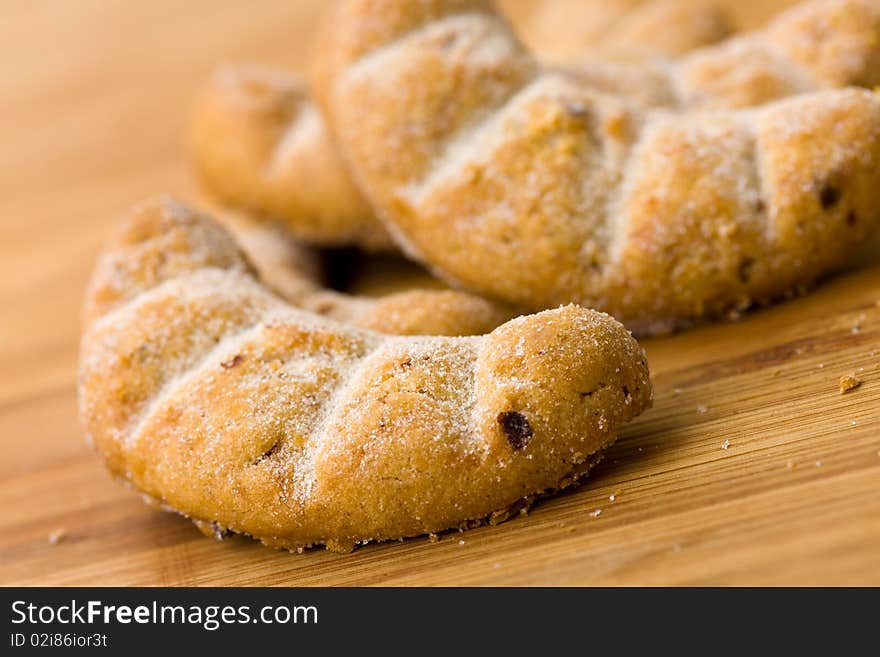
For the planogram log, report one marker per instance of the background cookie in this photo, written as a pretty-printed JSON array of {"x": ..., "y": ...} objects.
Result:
[
  {"x": 259, "y": 144},
  {"x": 661, "y": 218}
]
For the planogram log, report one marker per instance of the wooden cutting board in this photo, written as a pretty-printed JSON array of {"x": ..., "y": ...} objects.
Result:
[{"x": 752, "y": 468}]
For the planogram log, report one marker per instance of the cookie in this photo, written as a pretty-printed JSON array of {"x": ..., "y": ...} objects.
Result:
[
  {"x": 219, "y": 400},
  {"x": 525, "y": 184},
  {"x": 259, "y": 144}
]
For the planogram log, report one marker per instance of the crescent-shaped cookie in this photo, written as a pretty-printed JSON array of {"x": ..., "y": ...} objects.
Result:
[
  {"x": 219, "y": 400},
  {"x": 413, "y": 308},
  {"x": 526, "y": 184},
  {"x": 258, "y": 143}
]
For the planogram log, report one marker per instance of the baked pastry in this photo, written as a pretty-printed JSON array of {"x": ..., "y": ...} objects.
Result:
[
  {"x": 259, "y": 144},
  {"x": 413, "y": 308},
  {"x": 566, "y": 29},
  {"x": 213, "y": 396},
  {"x": 526, "y": 184}
]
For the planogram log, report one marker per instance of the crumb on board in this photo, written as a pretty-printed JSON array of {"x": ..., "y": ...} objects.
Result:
[
  {"x": 433, "y": 538},
  {"x": 461, "y": 541},
  {"x": 848, "y": 382},
  {"x": 676, "y": 391},
  {"x": 725, "y": 445},
  {"x": 56, "y": 536},
  {"x": 702, "y": 409},
  {"x": 596, "y": 513}
]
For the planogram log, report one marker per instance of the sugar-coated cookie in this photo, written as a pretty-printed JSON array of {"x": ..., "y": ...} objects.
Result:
[
  {"x": 219, "y": 400},
  {"x": 528, "y": 184}
]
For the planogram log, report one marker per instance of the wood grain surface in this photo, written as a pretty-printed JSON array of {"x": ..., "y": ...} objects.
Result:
[{"x": 752, "y": 468}]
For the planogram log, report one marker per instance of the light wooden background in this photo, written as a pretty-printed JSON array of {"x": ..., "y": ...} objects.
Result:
[{"x": 94, "y": 101}]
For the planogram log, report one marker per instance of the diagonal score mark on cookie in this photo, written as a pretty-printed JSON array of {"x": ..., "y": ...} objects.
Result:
[
  {"x": 370, "y": 437},
  {"x": 576, "y": 194}
]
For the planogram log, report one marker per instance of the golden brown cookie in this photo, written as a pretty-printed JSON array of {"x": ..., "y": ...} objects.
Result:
[
  {"x": 207, "y": 392},
  {"x": 413, "y": 308},
  {"x": 258, "y": 143},
  {"x": 528, "y": 185}
]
